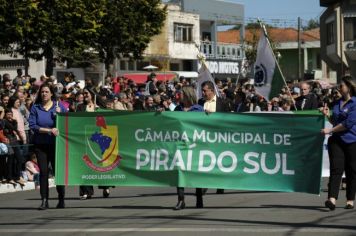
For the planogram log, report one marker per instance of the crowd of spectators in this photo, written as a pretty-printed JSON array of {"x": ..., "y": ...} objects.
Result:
[{"x": 18, "y": 94}]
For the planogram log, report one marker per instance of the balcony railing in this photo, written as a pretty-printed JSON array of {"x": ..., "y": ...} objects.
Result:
[{"x": 213, "y": 50}]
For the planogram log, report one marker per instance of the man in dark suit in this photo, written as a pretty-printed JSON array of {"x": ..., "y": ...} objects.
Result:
[
  {"x": 213, "y": 103},
  {"x": 240, "y": 102},
  {"x": 307, "y": 101}
]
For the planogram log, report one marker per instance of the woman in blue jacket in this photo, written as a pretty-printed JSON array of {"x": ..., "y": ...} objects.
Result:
[
  {"x": 342, "y": 144},
  {"x": 42, "y": 121}
]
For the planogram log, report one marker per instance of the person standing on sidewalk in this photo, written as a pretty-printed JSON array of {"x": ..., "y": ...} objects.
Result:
[
  {"x": 42, "y": 121},
  {"x": 14, "y": 160},
  {"x": 342, "y": 144}
]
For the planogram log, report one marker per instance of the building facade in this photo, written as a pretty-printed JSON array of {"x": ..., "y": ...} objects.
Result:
[
  {"x": 191, "y": 28},
  {"x": 338, "y": 35},
  {"x": 10, "y": 65},
  {"x": 285, "y": 41}
]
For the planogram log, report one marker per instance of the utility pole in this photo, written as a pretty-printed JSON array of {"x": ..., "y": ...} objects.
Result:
[{"x": 299, "y": 51}]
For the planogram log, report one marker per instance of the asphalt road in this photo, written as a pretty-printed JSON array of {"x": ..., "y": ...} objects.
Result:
[{"x": 148, "y": 211}]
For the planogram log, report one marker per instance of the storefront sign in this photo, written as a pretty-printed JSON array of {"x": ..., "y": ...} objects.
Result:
[{"x": 223, "y": 67}]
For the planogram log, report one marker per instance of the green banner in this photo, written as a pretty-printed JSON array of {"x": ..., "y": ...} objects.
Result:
[{"x": 250, "y": 151}]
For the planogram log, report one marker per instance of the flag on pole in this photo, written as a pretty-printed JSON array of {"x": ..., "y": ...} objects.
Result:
[
  {"x": 205, "y": 75},
  {"x": 268, "y": 78}
]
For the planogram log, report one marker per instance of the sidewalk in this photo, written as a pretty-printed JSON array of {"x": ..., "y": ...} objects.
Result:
[{"x": 10, "y": 188}]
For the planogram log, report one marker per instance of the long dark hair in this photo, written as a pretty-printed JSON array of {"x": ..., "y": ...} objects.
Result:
[
  {"x": 350, "y": 83},
  {"x": 92, "y": 94},
  {"x": 12, "y": 101},
  {"x": 39, "y": 98}
]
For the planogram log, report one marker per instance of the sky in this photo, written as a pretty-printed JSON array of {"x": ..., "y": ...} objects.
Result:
[{"x": 281, "y": 12}]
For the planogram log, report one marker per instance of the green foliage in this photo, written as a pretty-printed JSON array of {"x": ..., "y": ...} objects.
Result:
[
  {"x": 54, "y": 29},
  {"x": 71, "y": 30},
  {"x": 252, "y": 44},
  {"x": 251, "y": 49},
  {"x": 252, "y": 25},
  {"x": 312, "y": 24},
  {"x": 129, "y": 27}
]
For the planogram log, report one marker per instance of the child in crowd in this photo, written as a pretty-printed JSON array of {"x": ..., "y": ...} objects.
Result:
[{"x": 33, "y": 171}]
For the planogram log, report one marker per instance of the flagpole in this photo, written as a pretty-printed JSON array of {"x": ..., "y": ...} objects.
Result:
[
  {"x": 201, "y": 57},
  {"x": 275, "y": 59}
]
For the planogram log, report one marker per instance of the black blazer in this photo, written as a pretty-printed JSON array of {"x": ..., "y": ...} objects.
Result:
[
  {"x": 311, "y": 102},
  {"x": 221, "y": 105}
]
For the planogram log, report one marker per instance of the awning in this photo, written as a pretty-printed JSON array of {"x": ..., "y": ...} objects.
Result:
[{"x": 141, "y": 78}]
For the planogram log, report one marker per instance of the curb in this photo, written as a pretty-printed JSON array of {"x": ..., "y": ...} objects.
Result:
[{"x": 10, "y": 188}]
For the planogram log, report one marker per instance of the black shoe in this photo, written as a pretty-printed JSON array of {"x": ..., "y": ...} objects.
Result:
[
  {"x": 220, "y": 191},
  {"x": 60, "y": 204},
  {"x": 180, "y": 206},
  {"x": 349, "y": 207},
  {"x": 106, "y": 192},
  {"x": 330, "y": 205},
  {"x": 44, "y": 205}
]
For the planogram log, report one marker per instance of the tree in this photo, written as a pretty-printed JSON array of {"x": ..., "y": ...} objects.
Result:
[
  {"x": 312, "y": 24},
  {"x": 250, "y": 25},
  {"x": 54, "y": 29},
  {"x": 70, "y": 30},
  {"x": 251, "y": 50},
  {"x": 128, "y": 27}
]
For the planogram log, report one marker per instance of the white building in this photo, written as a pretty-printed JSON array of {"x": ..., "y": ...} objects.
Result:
[
  {"x": 191, "y": 27},
  {"x": 10, "y": 65}
]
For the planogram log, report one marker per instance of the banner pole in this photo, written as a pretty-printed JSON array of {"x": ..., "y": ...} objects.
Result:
[{"x": 276, "y": 61}]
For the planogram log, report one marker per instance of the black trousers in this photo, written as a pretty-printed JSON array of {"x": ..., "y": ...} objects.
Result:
[
  {"x": 86, "y": 190},
  {"x": 3, "y": 167},
  {"x": 46, "y": 154},
  {"x": 198, "y": 193},
  {"x": 342, "y": 156},
  {"x": 14, "y": 163}
]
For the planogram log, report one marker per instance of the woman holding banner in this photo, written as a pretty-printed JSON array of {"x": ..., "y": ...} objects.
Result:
[
  {"x": 42, "y": 121},
  {"x": 342, "y": 144},
  {"x": 85, "y": 192},
  {"x": 90, "y": 104},
  {"x": 189, "y": 102}
]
